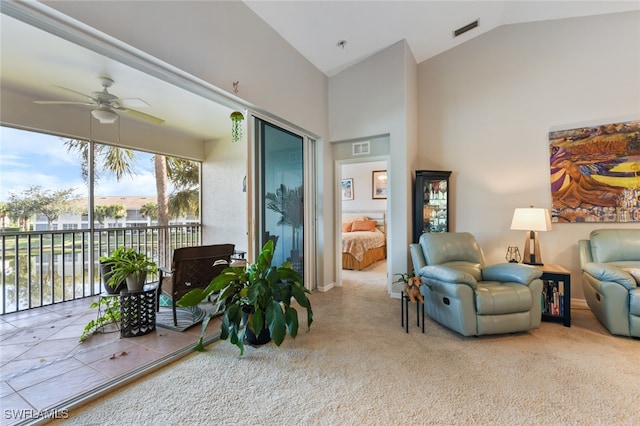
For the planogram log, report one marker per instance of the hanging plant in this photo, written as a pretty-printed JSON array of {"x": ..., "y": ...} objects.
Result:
[{"x": 236, "y": 126}]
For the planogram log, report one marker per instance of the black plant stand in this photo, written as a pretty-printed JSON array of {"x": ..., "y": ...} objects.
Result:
[
  {"x": 404, "y": 311},
  {"x": 137, "y": 312}
]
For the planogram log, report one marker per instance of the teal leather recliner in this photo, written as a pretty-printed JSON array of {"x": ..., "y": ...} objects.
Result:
[
  {"x": 463, "y": 294},
  {"x": 610, "y": 262}
]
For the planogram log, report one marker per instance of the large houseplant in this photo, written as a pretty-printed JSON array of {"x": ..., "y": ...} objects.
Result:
[
  {"x": 129, "y": 265},
  {"x": 254, "y": 298}
]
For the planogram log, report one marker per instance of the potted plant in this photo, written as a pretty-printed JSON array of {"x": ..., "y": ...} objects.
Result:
[
  {"x": 106, "y": 262},
  {"x": 111, "y": 314},
  {"x": 255, "y": 300},
  {"x": 127, "y": 265}
]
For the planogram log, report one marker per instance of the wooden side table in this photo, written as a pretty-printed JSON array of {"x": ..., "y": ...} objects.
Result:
[{"x": 556, "y": 294}]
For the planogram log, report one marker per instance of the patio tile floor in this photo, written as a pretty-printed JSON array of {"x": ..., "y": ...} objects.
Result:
[{"x": 43, "y": 364}]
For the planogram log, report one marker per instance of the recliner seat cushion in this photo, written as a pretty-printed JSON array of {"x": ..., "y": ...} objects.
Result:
[{"x": 494, "y": 298}]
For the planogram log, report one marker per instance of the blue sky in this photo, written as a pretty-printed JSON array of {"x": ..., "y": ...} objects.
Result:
[{"x": 29, "y": 159}]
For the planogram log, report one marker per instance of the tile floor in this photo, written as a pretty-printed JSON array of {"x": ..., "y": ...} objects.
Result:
[{"x": 43, "y": 364}]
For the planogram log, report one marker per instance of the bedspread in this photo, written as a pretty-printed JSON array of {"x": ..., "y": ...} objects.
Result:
[{"x": 358, "y": 242}]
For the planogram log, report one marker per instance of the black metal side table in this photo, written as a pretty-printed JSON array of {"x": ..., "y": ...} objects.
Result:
[
  {"x": 137, "y": 312},
  {"x": 404, "y": 311}
]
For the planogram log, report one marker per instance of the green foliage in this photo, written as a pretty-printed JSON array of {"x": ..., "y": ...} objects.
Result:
[
  {"x": 404, "y": 277},
  {"x": 261, "y": 290},
  {"x": 111, "y": 313},
  {"x": 125, "y": 261}
]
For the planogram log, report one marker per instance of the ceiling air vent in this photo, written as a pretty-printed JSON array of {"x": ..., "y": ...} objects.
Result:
[
  {"x": 466, "y": 28},
  {"x": 360, "y": 148}
]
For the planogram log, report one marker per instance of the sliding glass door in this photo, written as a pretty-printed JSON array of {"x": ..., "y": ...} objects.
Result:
[{"x": 280, "y": 192}]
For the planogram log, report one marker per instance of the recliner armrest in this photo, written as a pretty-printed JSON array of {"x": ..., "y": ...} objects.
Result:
[
  {"x": 511, "y": 272},
  {"x": 417, "y": 257},
  {"x": 447, "y": 275},
  {"x": 606, "y": 272}
]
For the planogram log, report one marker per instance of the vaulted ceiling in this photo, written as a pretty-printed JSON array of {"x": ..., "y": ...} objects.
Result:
[{"x": 42, "y": 65}]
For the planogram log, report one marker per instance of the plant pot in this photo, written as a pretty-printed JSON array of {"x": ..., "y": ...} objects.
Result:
[
  {"x": 105, "y": 273},
  {"x": 262, "y": 338},
  {"x": 135, "y": 282}
]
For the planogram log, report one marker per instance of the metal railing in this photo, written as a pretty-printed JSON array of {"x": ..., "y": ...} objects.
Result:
[{"x": 47, "y": 267}]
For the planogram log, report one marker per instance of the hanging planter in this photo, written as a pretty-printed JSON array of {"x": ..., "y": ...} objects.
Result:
[{"x": 236, "y": 125}]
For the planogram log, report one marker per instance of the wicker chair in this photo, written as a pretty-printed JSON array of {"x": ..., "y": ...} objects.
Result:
[{"x": 192, "y": 267}]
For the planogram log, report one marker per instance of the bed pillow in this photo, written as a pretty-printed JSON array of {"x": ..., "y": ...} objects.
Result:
[
  {"x": 364, "y": 225},
  {"x": 346, "y": 227}
]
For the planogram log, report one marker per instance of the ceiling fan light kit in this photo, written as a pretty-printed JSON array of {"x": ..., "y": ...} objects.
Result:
[{"x": 104, "y": 115}]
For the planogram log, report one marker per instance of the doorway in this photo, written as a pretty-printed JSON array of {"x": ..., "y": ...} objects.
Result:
[{"x": 362, "y": 196}]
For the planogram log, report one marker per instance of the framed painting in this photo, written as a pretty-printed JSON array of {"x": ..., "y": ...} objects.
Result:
[
  {"x": 595, "y": 173},
  {"x": 379, "y": 184},
  {"x": 347, "y": 189}
]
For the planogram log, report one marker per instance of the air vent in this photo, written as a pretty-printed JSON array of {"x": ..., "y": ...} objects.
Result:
[
  {"x": 466, "y": 28},
  {"x": 360, "y": 148}
]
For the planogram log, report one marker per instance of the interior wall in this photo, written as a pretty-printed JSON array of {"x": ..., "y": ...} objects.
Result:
[
  {"x": 362, "y": 175},
  {"x": 374, "y": 97},
  {"x": 485, "y": 109}
]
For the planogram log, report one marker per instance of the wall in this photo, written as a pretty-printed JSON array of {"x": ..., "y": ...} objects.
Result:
[
  {"x": 485, "y": 109},
  {"x": 361, "y": 173},
  {"x": 376, "y": 97}
]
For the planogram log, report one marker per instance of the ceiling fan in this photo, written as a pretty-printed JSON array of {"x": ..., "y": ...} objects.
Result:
[{"x": 106, "y": 104}]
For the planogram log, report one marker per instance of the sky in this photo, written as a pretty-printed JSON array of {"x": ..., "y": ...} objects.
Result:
[{"x": 29, "y": 159}]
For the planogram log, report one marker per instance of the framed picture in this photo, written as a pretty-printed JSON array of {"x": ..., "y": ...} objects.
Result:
[
  {"x": 594, "y": 173},
  {"x": 347, "y": 189},
  {"x": 379, "y": 184}
]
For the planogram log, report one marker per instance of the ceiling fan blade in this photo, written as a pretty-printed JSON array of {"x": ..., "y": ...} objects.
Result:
[
  {"x": 131, "y": 102},
  {"x": 141, "y": 115},
  {"x": 90, "y": 98},
  {"x": 62, "y": 103}
]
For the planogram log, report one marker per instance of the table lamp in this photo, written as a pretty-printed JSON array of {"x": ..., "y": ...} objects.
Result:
[{"x": 531, "y": 220}]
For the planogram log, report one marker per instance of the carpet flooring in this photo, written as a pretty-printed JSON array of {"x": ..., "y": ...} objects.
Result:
[{"x": 357, "y": 366}]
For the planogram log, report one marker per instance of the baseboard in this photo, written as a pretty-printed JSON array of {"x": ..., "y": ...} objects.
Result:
[
  {"x": 327, "y": 287},
  {"x": 579, "y": 304}
]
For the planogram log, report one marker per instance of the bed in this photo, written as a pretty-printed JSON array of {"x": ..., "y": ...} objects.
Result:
[{"x": 364, "y": 239}]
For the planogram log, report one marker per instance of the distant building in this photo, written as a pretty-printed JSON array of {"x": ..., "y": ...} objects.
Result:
[{"x": 133, "y": 218}]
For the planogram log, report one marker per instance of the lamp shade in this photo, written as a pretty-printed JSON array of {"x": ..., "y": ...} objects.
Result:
[
  {"x": 104, "y": 115},
  {"x": 531, "y": 219}
]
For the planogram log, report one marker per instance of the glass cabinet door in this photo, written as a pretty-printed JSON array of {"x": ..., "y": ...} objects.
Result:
[{"x": 431, "y": 202}]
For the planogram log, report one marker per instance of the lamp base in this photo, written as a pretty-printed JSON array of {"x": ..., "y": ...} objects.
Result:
[{"x": 529, "y": 258}]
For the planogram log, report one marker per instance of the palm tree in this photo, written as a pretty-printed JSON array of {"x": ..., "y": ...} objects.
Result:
[
  {"x": 149, "y": 210},
  {"x": 288, "y": 203},
  {"x": 184, "y": 174}
]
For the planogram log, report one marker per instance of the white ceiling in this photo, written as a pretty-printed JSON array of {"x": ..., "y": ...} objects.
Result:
[
  {"x": 35, "y": 62},
  {"x": 315, "y": 27}
]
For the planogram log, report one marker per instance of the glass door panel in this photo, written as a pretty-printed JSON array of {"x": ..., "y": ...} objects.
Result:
[{"x": 280, "y": 192}]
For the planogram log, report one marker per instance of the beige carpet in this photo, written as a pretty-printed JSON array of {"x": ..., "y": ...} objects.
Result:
[{"x": 357, "y": 366}]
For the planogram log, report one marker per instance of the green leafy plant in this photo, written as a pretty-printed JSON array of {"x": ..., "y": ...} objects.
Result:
[
  {"x": 111, "y": 306},
  {"x": 126, "y": 261},
  {"x": 404, "y": 277},
  {"x": 262, "y": 292}
]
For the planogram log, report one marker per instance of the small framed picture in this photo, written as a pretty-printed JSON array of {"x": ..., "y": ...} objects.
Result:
[
  {"x": 379, "y": 184},
  {"x": 347, "y": 189}
]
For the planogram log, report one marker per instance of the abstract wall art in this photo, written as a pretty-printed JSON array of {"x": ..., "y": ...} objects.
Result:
[{"x": 595, "y": 173}]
